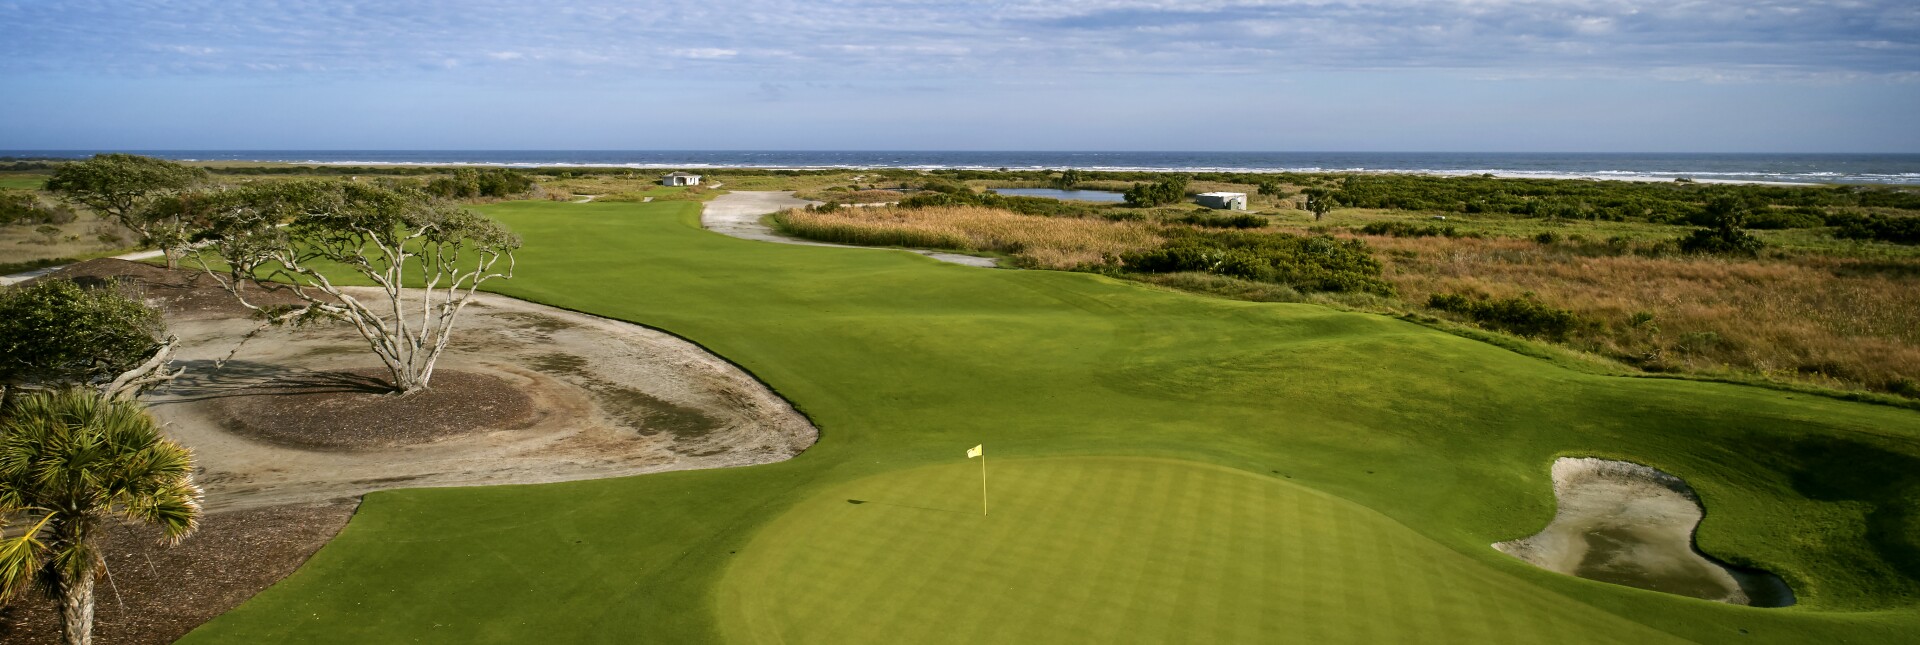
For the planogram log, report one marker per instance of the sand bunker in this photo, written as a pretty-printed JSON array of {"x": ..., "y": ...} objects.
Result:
[{"x": 1632, "y": 525}]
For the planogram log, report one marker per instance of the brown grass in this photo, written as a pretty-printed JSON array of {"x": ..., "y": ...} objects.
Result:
[
  {"x": 1800, "y": 317},
  {"x": 1803, "y": 318},
  {"x": 79, "y": 238},
  {"x": 1042, "y": 242}
]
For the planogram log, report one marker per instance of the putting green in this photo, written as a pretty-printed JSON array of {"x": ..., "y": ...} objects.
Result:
[
  {"x": 904, "y": 362},
  {"x": 1106, "y": 550}
]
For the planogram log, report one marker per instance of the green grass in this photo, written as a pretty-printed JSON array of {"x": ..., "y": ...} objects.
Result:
[
  {"x": 1109, "y": 550},
  {"x": 20, "y": 180},
  {"x": 1348, "y": 435}
]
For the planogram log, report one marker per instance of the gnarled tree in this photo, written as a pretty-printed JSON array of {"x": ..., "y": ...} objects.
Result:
[
  {"x": 307, "y": 238},
  {"x": 122, "y": 187}
]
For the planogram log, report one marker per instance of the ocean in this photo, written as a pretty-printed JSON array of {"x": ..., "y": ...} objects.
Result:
[{"x": 1895, "y": 169}]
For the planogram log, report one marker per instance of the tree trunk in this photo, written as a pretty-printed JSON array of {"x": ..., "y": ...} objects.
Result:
[
  {"x": 76, "y": 610},
  {"x": 173, "y": 257}
]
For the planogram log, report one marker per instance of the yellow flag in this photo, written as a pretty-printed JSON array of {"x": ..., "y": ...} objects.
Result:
[{"x": 975, "y": 451}]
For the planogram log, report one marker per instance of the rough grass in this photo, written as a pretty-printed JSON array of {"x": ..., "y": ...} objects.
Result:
[
  {"x": 844, "y": 195},
  {"x": 1042, "y": 242},
  {"x": 1810, "y": 318},
  {"x": 21, "y": 244},
  {"x": 664, "y": 194},
  {"x": 905, "y": 362}
]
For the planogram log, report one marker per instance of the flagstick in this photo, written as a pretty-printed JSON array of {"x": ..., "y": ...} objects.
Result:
[{"x": 983, "y": 482}]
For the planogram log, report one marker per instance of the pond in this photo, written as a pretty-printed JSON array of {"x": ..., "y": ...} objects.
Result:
[{"x": 1055, "y": 193}]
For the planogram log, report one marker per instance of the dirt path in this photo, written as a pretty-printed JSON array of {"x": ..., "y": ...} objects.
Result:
[{"x": 738, "y": 214}]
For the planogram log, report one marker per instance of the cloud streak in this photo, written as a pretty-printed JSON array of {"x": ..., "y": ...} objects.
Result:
[{"x": 788, "y": 39}]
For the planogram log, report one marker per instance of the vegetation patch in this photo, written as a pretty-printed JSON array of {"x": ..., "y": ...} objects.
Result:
[
  {"x": 1308, "y": 263},
  {"x": 1524, "y": 315}
]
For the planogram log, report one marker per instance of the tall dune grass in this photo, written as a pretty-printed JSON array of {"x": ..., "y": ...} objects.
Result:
[
  {"x": 1808, "y": 318},
  {"x": 1039, "y": 242}
]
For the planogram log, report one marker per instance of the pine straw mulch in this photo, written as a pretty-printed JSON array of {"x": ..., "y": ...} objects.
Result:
[
  {"x": 157, "y": 594},
  {"x": 354, "y": 410}
]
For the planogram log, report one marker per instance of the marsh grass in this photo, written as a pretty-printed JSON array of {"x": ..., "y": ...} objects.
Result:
[{"x": 1037, "y": 242}]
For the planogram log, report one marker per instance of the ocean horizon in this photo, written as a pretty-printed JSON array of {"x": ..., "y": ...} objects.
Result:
[{"x": 1797, "y": 168}]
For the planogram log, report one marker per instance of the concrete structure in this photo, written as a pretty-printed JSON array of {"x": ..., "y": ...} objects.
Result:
[
  {"x": 680, "y": 179},
  {"x": 1228, "y": 201}
]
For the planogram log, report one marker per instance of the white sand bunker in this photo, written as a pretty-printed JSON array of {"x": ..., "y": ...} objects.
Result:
[{"x": 1632, "y": 525}]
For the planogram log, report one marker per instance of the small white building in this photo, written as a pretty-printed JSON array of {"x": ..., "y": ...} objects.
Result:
[
  {"x": 680, "y": 179},
  {"x": 1228, "y": 201}
]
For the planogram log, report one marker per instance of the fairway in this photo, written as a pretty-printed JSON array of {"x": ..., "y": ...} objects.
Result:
[
  {"x": 1102, "y": 550},
  {"x": 1255, "y": 472}
]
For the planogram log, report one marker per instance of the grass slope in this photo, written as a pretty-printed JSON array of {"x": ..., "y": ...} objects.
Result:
[{"x": 904, "y": 362}]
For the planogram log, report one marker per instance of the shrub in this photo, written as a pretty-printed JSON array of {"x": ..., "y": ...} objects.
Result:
[
  {"x": 1210, "y": 220},
  {"x": 1899, "y": 230},
  {"x": 56, "y": 333},
  {"x": 1774, "y": 219},
  {"x": 1172, "y": 190},
  {"x": 1523, "y": 315},
  {"x": 1404, "y": 229},
  {"x": 1725, "y": 235},
  {"x": 1318, "y": 263},
  {"x": 470, "y": 183},
  {"x": 1547, "y": 237},
  {"x": 27, "y": 210}
]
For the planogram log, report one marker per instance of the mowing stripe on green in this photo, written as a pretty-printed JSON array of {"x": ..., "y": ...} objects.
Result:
[{"x": 1120, "y": 550}]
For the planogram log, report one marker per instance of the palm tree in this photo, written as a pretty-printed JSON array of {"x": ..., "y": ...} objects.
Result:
[{"x": 69, "y": 461}]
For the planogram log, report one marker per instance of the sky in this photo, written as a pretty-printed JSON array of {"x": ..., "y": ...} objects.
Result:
[{"x": 1284, "y": 75}]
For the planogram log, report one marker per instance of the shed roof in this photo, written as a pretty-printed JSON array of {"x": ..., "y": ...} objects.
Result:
[
  {"x": 1223, "y": 195},
  {"x": 681, "y": 174}
]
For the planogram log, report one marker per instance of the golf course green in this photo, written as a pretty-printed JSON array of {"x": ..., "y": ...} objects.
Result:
[{"x": 1165, "y": 467}]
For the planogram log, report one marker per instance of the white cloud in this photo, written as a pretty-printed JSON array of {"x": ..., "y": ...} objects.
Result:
[{"x": 705, "y": 53}]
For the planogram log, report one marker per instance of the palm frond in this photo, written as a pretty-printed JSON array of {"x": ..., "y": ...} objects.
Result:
[{"x": 20, "y": 558}]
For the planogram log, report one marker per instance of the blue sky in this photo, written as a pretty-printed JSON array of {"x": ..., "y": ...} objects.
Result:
[{"x": 1468, "y": 75}]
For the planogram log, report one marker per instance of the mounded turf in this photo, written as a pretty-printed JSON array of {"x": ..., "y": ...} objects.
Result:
[{"x": 1311, "y": 437}]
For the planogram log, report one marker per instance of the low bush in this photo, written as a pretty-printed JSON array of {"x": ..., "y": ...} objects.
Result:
[
  {"x": 1726, "y": 219},
  {"x": 1775, "y": 219},
  {"x": 1317, "y": 263},
  {"x": 1408, "y": 229},
  {"x": 1211, "y": 220},
  {"x": 471, "y": 183},
  {"x": 1883, "y": 228},
  {"x": 962, "y": 196},
  {"x": 25, "y": 209},
  {"x": 1034, "y": 242},
  {"x": 1172, "y": 190},
  {"x": 1524, "y": 315}
]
